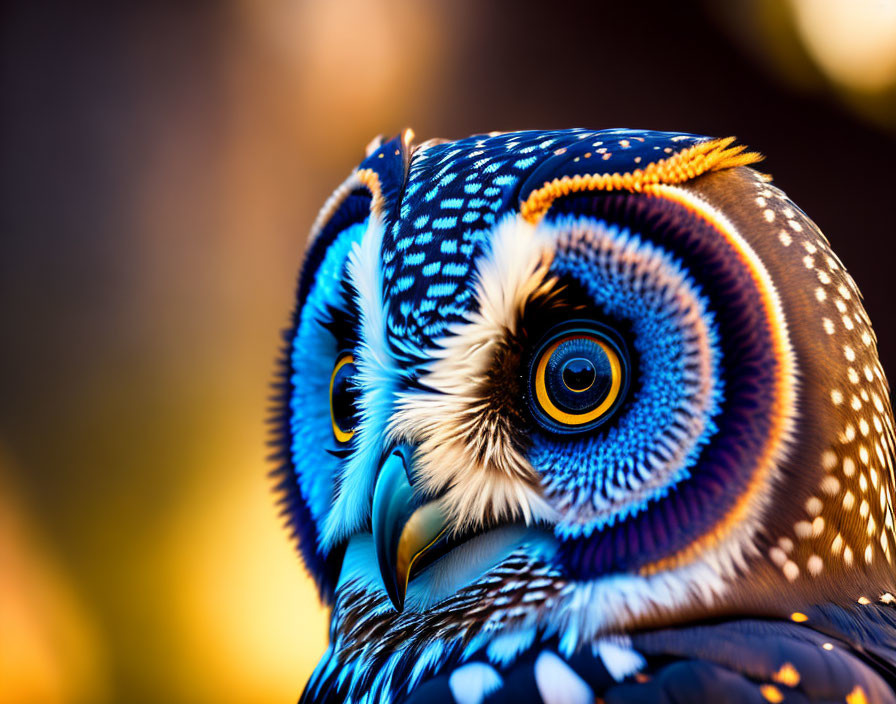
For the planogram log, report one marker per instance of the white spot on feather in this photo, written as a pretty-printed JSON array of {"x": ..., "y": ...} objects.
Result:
[
  {"x": 472, "y": 683},
  {"x": 620, "y": 659},
  {"x": 558, "y": 683}
]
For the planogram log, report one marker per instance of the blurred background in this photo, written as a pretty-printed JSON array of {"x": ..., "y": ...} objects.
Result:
[{"x": 161, "y": 164}]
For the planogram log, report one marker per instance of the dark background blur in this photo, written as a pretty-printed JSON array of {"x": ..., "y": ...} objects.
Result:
[{"x": 160, "y": 167}]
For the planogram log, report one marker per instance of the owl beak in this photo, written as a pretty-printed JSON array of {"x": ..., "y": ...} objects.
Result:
[{"x": 404, "y": 529}]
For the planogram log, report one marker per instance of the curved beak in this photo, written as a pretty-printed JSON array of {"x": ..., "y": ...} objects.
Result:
[{"x": 403, "y": 528}]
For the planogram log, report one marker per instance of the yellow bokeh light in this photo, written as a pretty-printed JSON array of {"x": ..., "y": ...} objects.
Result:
[
  {"x": 853, "y": 42},
  {"x": 244, "y": 607},
  {"x": 50, "y": 648}
]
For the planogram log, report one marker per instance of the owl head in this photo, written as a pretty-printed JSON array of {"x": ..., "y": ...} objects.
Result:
[{"x": 575, "y": 383}]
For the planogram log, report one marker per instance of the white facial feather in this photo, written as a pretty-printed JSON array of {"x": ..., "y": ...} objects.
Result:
[
  {"x": 465, "y": 445},
  {"x": 377, "y": 375}
]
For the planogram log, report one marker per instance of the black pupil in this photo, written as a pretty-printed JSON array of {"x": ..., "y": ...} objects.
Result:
[
  {"x": 578, "y": 374},
  {"x": 345, "y": 397}
]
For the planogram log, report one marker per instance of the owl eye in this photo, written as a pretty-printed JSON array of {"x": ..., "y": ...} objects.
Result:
[
  {"x": 343, "y": 398},
  {"x": 578, "y": 378}
]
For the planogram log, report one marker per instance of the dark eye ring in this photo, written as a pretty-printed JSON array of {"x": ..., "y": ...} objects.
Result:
[
  {"x": 343, "y": 398},
  {"x": 578, "y": 377}
]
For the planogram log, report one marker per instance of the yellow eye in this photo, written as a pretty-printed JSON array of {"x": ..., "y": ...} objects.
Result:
[
  {"x": 343, "y": 398},
  {"x": 578, "y": 379}
]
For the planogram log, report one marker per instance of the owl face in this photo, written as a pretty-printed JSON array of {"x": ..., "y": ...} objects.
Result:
[{"x": 570, "y": 383}]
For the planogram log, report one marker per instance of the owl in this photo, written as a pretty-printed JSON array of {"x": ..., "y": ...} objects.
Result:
[{"x": 575, "y": 416}]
